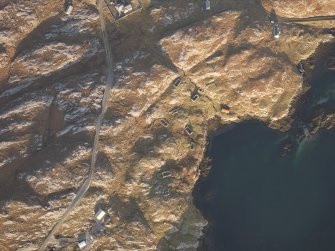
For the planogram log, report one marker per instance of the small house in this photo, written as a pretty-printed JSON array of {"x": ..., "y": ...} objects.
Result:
[
  {"x": 195, "y": 97},
  {"x": 207, "y": 4},
  {"x": 177, "y": 82},
  {"x": 100, "y": 215},
  {"x": 225, "y": 108},
  {"x": 127, "y": 9},
  {"x": 82, "y": 244},
  {"x": 188, "y": 129},
  {"x": 122, "y": 8},
  {"x": 164, "y": 175},
  {"x": 276, "y": 30},
  {"x": 164, "y": 122},
  {"x": 68, "y": 9},
  {"x": 83, "y": 239}
]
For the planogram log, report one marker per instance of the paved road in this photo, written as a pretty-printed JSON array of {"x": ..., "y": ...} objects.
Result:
[
  {"x": 275, "y": 17},
  {"x": 306, "y": 19},
  {"x": 88, "y": 180}
]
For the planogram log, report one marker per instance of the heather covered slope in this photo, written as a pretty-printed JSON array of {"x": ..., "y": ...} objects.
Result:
[{"x": 52, "y": 81}]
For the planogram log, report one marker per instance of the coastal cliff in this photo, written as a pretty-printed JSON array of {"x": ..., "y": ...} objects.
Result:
[{"x": 52, "y": 80}]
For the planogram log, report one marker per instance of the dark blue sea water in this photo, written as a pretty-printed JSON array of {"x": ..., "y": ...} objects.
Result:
[{"x": 258, "y": 200}]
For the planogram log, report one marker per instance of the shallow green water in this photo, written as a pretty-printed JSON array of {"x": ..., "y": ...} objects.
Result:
[{"x": 259, "y": 200}]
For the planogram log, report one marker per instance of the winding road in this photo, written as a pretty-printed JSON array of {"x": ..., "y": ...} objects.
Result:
[{"x": 88, "y": 180}]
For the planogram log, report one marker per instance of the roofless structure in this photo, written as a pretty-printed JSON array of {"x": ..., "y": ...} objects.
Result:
[{"x": 122, "y": 8}]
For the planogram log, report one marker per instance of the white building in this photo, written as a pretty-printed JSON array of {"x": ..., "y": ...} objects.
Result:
[
  {"x": 276, "y": 30},
  {"x": 68, "y": 9},
  {"x": 128, "y": 9},
  {"x": 82, "y": 244},
  {"x": 207, "y": 4},
  {"x": 119, "y": 8},
  {"x": 100, "y": 215}
]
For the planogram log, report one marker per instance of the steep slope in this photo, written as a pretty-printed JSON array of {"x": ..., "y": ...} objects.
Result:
[{"x": 53, "y": 82}]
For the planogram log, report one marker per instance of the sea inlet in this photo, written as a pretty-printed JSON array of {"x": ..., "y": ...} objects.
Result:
[{"x": 259, "y": 197}]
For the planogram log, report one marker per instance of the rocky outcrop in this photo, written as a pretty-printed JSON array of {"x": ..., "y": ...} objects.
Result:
[
  {"x": 301, "y": 8},
  {"x": 192, "y": 45},
  {"x": 29, "y": 15},
  {"x": 145, "y": 171}
]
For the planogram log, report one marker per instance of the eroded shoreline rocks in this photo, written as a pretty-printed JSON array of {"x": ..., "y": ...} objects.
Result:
[{"x": 145, "y": 171}]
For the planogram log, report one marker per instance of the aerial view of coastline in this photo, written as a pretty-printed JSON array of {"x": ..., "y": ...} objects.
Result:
[{"x": 205, "y": 125}]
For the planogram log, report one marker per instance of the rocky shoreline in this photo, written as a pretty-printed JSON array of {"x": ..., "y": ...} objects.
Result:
[
  {"x": 303, "y": 118},
  {"x": 146, "y": 172}
]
